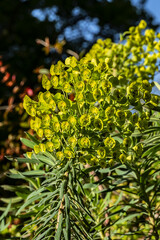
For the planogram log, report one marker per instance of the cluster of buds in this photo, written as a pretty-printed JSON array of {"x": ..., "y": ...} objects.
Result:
[{"x": 111, "y": 86}]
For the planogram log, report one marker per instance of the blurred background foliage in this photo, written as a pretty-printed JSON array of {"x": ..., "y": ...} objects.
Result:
[{"x": 36, "y": 33}]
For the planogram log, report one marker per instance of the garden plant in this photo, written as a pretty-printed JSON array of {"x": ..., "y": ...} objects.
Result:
[{"x": 93, "y": 168}]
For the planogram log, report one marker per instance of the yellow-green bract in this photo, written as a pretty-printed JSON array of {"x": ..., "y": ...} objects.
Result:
[{"x": 112, "y": 87}]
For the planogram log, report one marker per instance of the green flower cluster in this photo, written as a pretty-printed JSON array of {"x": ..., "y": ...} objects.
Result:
[{"x": 112, "y": 86}]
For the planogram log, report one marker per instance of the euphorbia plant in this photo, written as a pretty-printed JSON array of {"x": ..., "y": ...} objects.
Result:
[{"x": 93, "y": 171}]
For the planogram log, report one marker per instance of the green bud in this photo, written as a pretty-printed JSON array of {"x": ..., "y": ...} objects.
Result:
[
  {"x": 62, "y": 105},
  {"x": 72, "y": 141},
  {"x": 106, "y": 86},
  {"x": 46, "y": 120},
  {"x": 84, "y": 142},
  {"x": 60, "y": 155},
  {"x": 65, "y": 126},
  {"x": 134, "y": 118},
  {"x": 46, "y": 83},
  {"x": 138, "y": 149},
  {"x": 48, "y": 133},
  {"x": 122, "y": 157},
  {"x": 94, "y": 142},
  {"x": 58, "y": 68},
  {"x": 71, "y": 61},
  {"x": 49, "y": 146},
  {"x": 58, "y": 96},
  {"x": 26, "y": 102},
  {"x": 79, "y": 97},
  {"x": 146, "y": 85},
  {"x": 109, "y": 142},
  {"x": 52, "y": 70},
  {"x": 80, "y": 86},
  {"x": 40, "y": 132},
  {"x": 142, "y": 24},
  {"x": 36, "y": 149},
  {"x": 118, "y": 94},
  {"x": 31, "y": 111},
  {"x": 86, "y": 74},
  {"x": 29, "y": 154},
  {"x": 98, "y": 124},
  {"x": 54, "y": 119},
  {"x": 101, "y": 152},
  {"x": 120, "y": 115},
  {"x": 56, "y": 142},
  {"x": 97, "y": 94},
  {"x": 96, "y": 75},
  {"x": 54, "y": 81},
  {"x": 68, "y": 153},
  {"x": 55, "y": 126},
  {"x": 110, "y": 126},
  {"x": 72, "y": 121},
  {"x": 142, "y": 124},
  {"x": 67, "y": 87},
  {"x": 109, "y": 112},
  {"x": 42, "y": 147},
  {"x": 147, "y": 96},
  {"x": 94, "y": 111},
  {"x": 127, "y": 142},
  {"x": 85, "y": 120}
]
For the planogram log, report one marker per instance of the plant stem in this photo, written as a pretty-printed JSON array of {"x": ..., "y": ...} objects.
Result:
[{"x": 149, "y": 209}]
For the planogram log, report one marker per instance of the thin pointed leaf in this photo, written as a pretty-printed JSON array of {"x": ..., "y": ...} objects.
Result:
[
  {"x": 28, "y": 142},
  {"x": 59, "y": 228}
]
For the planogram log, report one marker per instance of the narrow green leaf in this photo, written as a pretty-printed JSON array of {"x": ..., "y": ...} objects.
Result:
[
  {"x": 90, "y": 169},
  {"x": 67, "y": 203},
  {"x": 51, "y": 217},
  {"x": 59, "y": 229},
  {"x": 151, "y": 150},
  {"x": 29, "y": 201},
  {"x": 6, "y": 211},
  {"x": 150, "y": 188},
  {"x": 27, "y": 160},
  {"x": 12, "y": 200},
  {"x": 67, "y": 210},
  {"x": 32, "y": 138},
  {"x": 89, "y": 185},
  {"x": 33, "y": 182},
  {"x": 128, "y": 218},
  {"x": 3, "y": 226},
  {"x": 28, "y": 142},
  {"x": 41, "y": 236},
  {"x": 15, "y": 176},
  {"x": 48, "y": 154},
  {"x": 36, "y": 192},
  {"x": 65, "y": 234},
  {"x": 13, "y": 188},
  {"x": 152, "y": 139},
  {"x": 83, "y": 232},
  {"x": 77, "y": 233},
  {"x": 34, "y": 173},
  {"x": 151, "y": 130},
  {"x": 41, "y": 230},
  {"x": 62, "y": 189},
  {"x": 118, "y": 139},
  {"x": 45, "y": 160}
]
